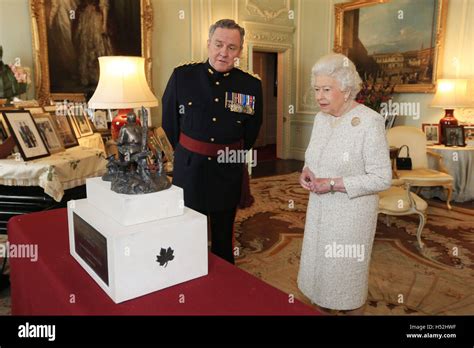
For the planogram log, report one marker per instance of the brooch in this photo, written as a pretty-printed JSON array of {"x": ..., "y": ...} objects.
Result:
[{"x": 355, "y": 121}]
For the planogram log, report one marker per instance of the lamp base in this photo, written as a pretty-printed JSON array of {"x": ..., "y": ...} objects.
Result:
[{"x": 447, "y": 120}]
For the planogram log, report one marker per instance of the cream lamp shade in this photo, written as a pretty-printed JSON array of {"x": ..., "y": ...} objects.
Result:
[
  {"x": 122, "y": 84},
  {"x": 451, "y": 94}
]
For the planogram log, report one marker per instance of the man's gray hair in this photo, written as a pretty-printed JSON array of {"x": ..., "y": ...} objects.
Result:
[
  {"x": 341, "y": 68},
  {"x": 228, "y": 24}
]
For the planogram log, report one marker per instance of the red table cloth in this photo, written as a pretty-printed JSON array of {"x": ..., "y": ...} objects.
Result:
[{"x": 57, "y": 285}]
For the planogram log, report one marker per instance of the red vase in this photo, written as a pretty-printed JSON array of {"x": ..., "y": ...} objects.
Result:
[
  {"x": 447, "y": 120},
  {"x": 119, "y": 121}
]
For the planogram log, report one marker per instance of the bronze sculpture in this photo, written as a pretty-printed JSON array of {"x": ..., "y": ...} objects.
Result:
[{"x": 130, "y": 173}]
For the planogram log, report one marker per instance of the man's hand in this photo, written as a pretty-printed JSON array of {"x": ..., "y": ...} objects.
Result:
[{"x": 307, "y": 178}]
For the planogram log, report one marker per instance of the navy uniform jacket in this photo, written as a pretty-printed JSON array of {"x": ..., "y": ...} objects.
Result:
[{"x": 193, "y": 103}]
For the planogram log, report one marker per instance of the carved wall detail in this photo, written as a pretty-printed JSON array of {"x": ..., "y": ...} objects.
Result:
[
  {"x": 268, "y": 36},
  {"x": 269, "y": 33},
  {"x": 267, "y": 9}
]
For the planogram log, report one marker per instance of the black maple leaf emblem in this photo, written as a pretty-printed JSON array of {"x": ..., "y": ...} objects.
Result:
[{"x": 165, "y": 256}]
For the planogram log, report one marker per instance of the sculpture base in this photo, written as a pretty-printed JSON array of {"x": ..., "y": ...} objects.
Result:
[
  {"x": 132, "y": 261},
  {"x": 134, "y": 209}
]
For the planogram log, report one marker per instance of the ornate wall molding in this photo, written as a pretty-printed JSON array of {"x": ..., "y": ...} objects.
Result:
[
  {"x": 279, "y": 36},
  {"x": 269, "y": 9}
]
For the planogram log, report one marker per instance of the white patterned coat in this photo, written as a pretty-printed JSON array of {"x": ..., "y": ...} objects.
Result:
[{"x": 340, "y": 227}]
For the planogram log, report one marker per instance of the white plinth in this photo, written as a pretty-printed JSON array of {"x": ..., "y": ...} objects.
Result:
[
  {"x": 123, "y": 259},
  {"x": 134, "y": 209}
]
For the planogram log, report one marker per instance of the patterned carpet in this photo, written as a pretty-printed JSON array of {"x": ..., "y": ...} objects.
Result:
[{"x": 402, "y": 280}]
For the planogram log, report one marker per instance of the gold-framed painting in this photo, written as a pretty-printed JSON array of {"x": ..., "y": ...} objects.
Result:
[
  {"x": 69, "y": 36},
  {"x": 393, "y": 41}
]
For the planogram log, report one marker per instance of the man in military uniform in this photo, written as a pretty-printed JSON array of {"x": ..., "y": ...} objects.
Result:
[{"x": 209, "y": 108}]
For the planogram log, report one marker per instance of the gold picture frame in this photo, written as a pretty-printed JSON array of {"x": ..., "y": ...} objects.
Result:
[
  {"x": 412, "y": 70},
  {"x": 40, "y": 10}
]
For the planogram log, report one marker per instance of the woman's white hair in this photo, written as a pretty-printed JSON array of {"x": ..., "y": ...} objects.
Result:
[{"x": 341, "y": 68}]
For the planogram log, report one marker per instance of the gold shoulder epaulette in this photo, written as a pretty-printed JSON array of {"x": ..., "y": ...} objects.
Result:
[
  {"x": 249, "y": 73},
  {"x": 190, "y": 62}
]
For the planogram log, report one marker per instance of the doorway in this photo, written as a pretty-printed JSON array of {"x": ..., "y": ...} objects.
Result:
[{"x": 265, "y": 65}]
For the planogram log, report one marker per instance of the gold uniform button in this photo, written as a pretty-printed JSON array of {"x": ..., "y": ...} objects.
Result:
[
  {"x": 190, "y": 103},
  {"x": 239, "y": 121},
  {"x": 216, "y": 100},
  {"x": 209, "y": 158},
  {"x": 214, "y": 119},
  {"x": 218, "y": 83},
  {"x": 212, "y": 139}
]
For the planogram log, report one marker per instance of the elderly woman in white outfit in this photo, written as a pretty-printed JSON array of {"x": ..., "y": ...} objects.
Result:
[{"x": 346, "y": 164}]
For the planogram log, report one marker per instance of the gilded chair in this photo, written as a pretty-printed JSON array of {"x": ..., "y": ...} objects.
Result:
[
  {"x": 420, "y": 175},
  {"x": 398, "y": 200}
]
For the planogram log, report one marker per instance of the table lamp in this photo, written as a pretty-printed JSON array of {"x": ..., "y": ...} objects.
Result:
[
  {"x": 122, "y": 85},
  {"x": 450, "y": 94}
]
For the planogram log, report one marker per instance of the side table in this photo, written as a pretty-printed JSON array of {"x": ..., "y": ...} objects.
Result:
[{"x": 460, "y": 163}]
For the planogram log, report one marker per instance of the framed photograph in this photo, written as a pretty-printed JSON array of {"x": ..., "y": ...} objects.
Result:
[
  {"x": 65, "y": 130},
  {"x": 7, "y": 143},
  {"x": 432, "y": 132},
  {"x": 402, "y": 51},
  {"x": 62, "y": 110},
  {"x": 100, "y": 119},
  {"x": 49, "y": 134},
  {"x": 80, "y": 121},
  {"x": 4, "y": 133},
  {"x": 67, "y": 50},
  {"x": 26, "y": 134},
  {"x": 469, "y": 134},
  {"x": 164, "y": 144},
  {"x": 455, "y": 136},
  {"x": 389, "y": 120}
]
